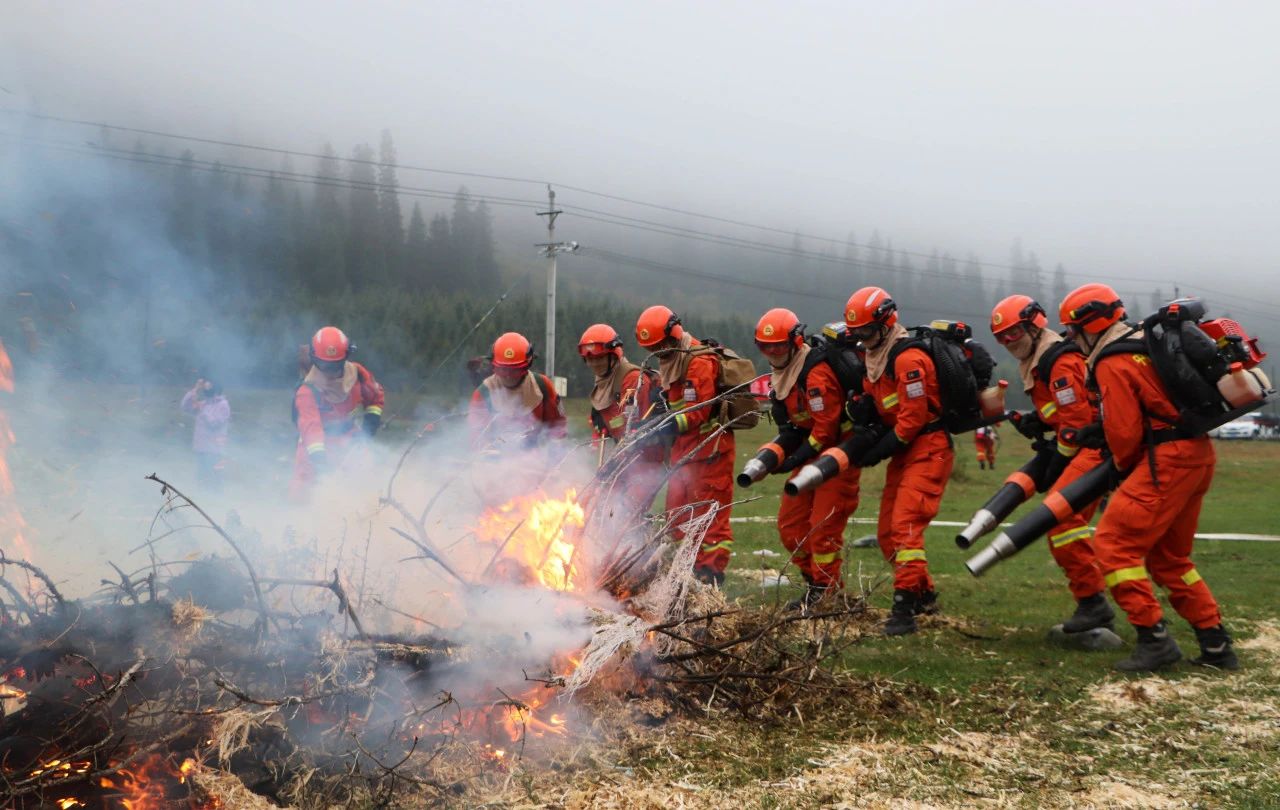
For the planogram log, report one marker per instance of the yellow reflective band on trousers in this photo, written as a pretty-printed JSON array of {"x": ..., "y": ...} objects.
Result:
[
  {"x": 1192, "y": 577},
  {"x": 1070, "y": 536},
  {"x": 890, "y": 401},
  {"x": 825, "y": 559},
  {"x": 723, "y": 544},
  {"x": 1125, "y": 575},
  {"x": 318, "y": 447},
  {"x": 907, "y": 555}
]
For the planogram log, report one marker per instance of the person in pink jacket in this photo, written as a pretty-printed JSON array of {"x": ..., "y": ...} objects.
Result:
[{"x": 212, "y": 415}]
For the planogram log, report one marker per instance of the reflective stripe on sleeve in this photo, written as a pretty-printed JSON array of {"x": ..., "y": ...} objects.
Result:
[
  {"x": 682, "y": 422},
  {"x": 1049, "y": 409},
  {"x": 890, "y": 401},
  {"x": 318, "y": 447},
  {"x": 1067, "y": 450},
  {"x": 376, "y": 410},
  {"x": 814, "y": 443}
]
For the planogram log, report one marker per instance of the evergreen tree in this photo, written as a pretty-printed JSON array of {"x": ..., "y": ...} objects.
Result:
[
  {"x": 416, "y": 267},
  {"x": 1059, "y": 288},
  {"x": 324, "y": 261},
  {"x": 366, "y": 258},
  {"x": 390, "y": 219}
]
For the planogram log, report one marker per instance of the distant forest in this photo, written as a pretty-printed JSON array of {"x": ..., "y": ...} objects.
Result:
[{"x": 121, "y": 261}]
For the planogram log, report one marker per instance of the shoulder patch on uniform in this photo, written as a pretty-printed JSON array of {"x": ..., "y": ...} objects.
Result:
[
  {"x": 914, "y": 374},
  {"x": 1061, "y": 382},
  {"x": 815, "y": 392}
]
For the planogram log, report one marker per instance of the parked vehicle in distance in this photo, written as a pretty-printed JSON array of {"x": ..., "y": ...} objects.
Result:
[{"x": 1249, "y": 426}]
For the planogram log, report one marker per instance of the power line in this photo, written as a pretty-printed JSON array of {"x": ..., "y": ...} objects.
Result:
[
  {"x": 514, "y": 179},
  {"x": 597, "y": 215}
]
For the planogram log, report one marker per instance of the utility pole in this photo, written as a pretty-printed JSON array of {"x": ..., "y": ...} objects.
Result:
[{"x": 551, "y": 248}]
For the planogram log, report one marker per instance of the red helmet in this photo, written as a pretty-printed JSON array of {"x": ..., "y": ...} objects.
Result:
[
  {"x": 1091, "y": 309},
  {"x": 600, "y": 339},
  {"x": 870, "y": 305},
  {"x": 779, "y": 326},
  {"x": 512, "y": 350},
  {"x": 656, "y": 324},
  {"x": 330, "y": 345},
  {"x": 1015, "y": 310}
]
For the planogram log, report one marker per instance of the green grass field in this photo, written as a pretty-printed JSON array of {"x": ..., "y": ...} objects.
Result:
[{"x": 979, "y": 711}]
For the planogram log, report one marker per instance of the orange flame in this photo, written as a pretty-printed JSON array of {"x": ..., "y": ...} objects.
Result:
[
  {"x": 539, "y": 534},
  {"x": 12, "y": 525}
]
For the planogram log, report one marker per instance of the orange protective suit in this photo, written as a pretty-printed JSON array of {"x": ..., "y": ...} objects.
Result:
[
  {"x": 704, "y": 474},
  {"x": 636, "y": 391},
  {"x": 1149, "y": 526},
  {"x": 1063, "y": 403},
  {"x": 909, "y": 403},
  {"x": 533, "y": 416},
  {"x": 811, "y": 524},
  {"x": 327, "y": 428},
  {"x": 984, "y": 443}
]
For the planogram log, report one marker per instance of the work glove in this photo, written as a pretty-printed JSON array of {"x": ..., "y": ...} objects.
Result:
[
  {"x": 1091, "y": 436},
  {"x": 798, "y": 459},
  {"x": 664, "y": 434},
  {"x": 862, "y": 410},
  {"x": 1028, "y": 423},
  {"x": 371, "y": 423},
  {"x": 886, "y": 446}
]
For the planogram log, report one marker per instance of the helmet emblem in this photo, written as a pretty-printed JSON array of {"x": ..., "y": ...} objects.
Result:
[
  {"x": 768, "y": 330},
  {"x": 851, "y": 315},
  {"x": 997, "y": 318},
  {"x": 509, "y": 354},
  {"x": 644, "y": 334},
  {"x": 332, "y": 351}
]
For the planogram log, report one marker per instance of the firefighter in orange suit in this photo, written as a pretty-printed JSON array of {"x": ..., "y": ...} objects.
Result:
[
  {"x": 907, "y": 398},
  {"x": 985, "y": 440},
  {"x": 1053, "y": 374},
  {"x": 809, "y": 397},
  {"x": 702, "y": 462},
  {"x": 337, "y": 401},
  {"x": 514, "y": 403},
  {"x": 1148, "y": 528},
  {"x": 621, "y": 396}
]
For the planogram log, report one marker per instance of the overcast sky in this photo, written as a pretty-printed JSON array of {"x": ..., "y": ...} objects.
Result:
[{"x": 1134, "y": 138}]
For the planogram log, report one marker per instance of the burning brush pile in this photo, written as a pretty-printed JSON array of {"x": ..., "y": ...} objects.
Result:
[{"x": 220, "y": 681}]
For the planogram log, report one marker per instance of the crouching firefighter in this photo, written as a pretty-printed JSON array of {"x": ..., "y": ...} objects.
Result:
[
  {"x": 1053, "y": 374},
  {"x": 623, "y": 394},
  {"x": 702, "y": 463},
  {"x": 515, "y": 404},
  {"x": 1148, "y": 528},
  {"x": 808, "y": 402},
  {"x": 903, "y": 383},
  {"x": 337, "y": 402}
]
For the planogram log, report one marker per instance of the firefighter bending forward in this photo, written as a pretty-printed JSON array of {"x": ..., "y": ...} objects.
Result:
[
  {"x": 623, "y": 393},
  {"x": 1053, "y": 374},
  {"x": 907, "y": 398},
  {"x": 337, "y": 402},
  {"x": 514, "y": 403},
  {"x": 703, "y": 470},
  {"x": 808, "y": 397},
  {"x": 1149, "y": 526}
]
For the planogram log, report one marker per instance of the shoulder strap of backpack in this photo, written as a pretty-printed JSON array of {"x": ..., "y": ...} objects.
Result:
[
  {"x": 917, "y": 342},
  {"x": 548, "y": 394},
  {"x": 1044, "y": 366}
]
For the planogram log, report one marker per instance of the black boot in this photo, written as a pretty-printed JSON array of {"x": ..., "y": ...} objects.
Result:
[
  {"x": 902, "y": 619},
  {"x": 1215, "y": 649},
  {"x": 708, "y": 576},
  {"x": 1091, "y": 611},
  {"x": 812, "y": 595},
  {"x": 927, "y": 604},
  {"x": 982, "y": 465},
  {"x": 1156, "y": 649}
]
